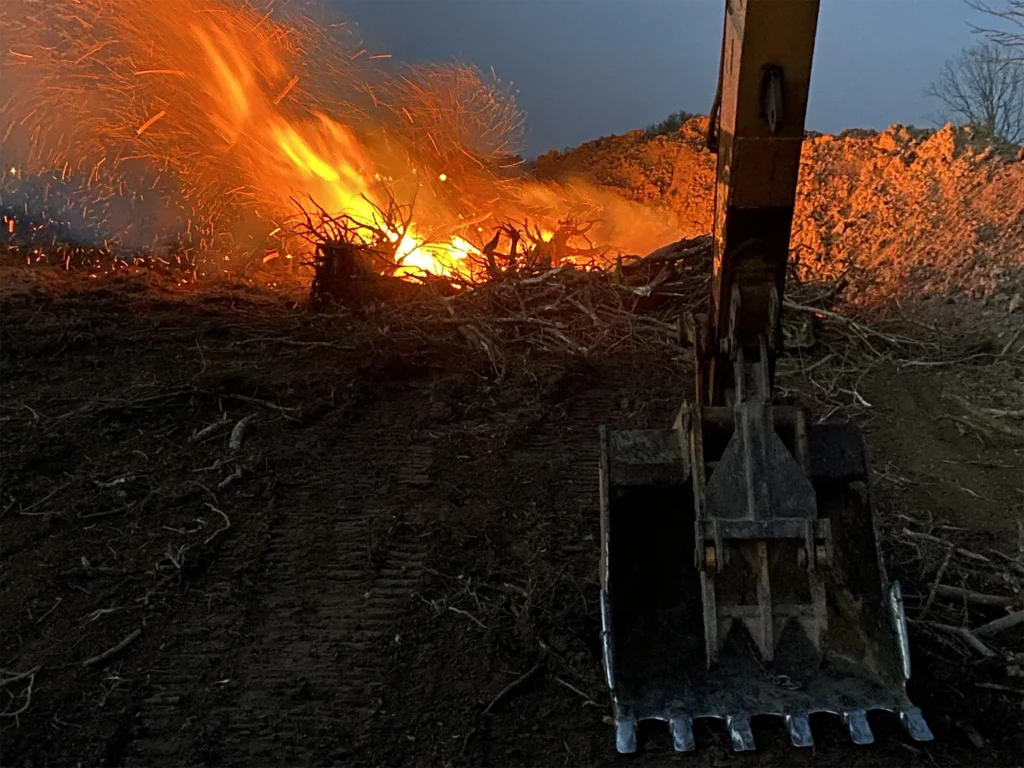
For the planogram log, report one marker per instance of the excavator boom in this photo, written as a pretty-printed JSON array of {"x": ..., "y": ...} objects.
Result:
[
  {"x": 764, "y": 78},
  {"x": 740, "y": 569}
]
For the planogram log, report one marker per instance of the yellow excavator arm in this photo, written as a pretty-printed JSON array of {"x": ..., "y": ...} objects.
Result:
[
  {"x": 740, "y": 569},
  {"x": 757, "y": 128}
]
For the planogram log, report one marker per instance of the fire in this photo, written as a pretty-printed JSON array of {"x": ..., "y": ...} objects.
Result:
[
  {"x": 451, "y": 259},
  {"x": 324, "y": 160},
  {"x": 243, "y": 118}
]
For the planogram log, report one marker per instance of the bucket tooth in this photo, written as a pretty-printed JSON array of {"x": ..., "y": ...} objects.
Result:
[
  {"x": 800, "y": 729},
  {"x": 740, "y": 734},
  {"x": 914, "y": 724},
  {"x": 625, "y": 736},
  {"x": 682, "y": 734},
  {"x": 856, "y": 722}
]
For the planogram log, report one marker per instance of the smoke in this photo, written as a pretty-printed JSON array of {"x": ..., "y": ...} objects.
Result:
[
  {"x": 207, "y": 124},
  {"x": 619, "y": 225}
]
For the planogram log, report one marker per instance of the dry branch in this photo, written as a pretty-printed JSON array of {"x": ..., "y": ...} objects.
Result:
[
  {"x": 238, "y": 433},
  {"x": 111, "y": 652},
  {"x": 974, "y": 598},
  {"x": 513, "y": 685},
  {"x": 1000, "y": 625},
  {"x": 965, "y": 635}
]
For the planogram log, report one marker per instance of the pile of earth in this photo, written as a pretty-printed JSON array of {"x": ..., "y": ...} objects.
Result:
[{"x": 909, "y": 217}]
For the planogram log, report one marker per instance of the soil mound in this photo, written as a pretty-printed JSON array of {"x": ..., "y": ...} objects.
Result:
[{"x": 907, "y": 216}]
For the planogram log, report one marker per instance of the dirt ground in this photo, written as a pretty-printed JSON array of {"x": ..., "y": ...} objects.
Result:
[{"x": 403, "y": 531}]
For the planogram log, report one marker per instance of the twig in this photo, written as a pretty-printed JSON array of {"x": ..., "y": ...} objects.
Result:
[
  {"x": 27, "y": 693},
  {"x": 238, "y": 433},
  {"x": 115, "y": 482},
  {"x": 219, "y": 531},
  {"x": 964, "y": 634},
  {"x": 859, "y": 327},
  {"x": 901, "y": 364},
  {"x": 1011, "y": 342},
  {"x": 27, "y": 511},
  {"x": 1002, "y": 414},
  {"x": 110, "y": 652},
  {"x": 236, "y": 475},
  {"x": 988, "y": 420},
  {"x": 56, "y": 603},
  {"x": 290, "y": 342},
  {"x": 1014, "y": 562},
  {"x": 465, "y": 741},
  {"x": 265, "y": 403},
  {"x": 213, "y": 467},
  {"x": 936, "y": 540},
  {"x": 513, "y": 685},
  {"x": 587, "y": 701},
  {"x": 208, "y": 430},
  {"x": 975, "y": 598},
  {"x": 467, "y": 614},
  {"x": 5, "y": 681},
  {"x": 1000, "y": 625},
  {"x": 998, "y": 687},
  {"x": 935, "y": 583},
  {"x": 104, "y": 611}
]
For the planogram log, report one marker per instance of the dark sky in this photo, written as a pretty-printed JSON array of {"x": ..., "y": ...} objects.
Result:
[{"x": 587, "y": 68}]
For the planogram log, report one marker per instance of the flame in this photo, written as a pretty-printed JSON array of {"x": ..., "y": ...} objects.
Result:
[
  {"x": 324, "y": 160},
  {"x": 251, "y": 112},
  {"x": 451, "y": 259}
]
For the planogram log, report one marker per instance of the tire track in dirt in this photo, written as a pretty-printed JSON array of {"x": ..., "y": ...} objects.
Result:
[{"x": 308, "y": 662}]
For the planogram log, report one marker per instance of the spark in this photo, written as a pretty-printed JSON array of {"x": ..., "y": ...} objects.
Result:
[
  {"x": 291, "y": 84},
  {"x": 148, "y": 123}
]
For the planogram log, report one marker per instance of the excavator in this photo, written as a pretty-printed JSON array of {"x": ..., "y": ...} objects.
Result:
[{"x": 740, "y": 568}]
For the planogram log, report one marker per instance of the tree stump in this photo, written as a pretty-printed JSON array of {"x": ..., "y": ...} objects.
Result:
[{"x": 342, "y": 275}]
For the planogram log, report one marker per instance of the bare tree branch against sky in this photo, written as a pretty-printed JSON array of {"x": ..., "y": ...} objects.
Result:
[
  {"x": 984, "y": 86},
  {"x": 1003, "y": 25},
  {"x": 586, "y": 68}
]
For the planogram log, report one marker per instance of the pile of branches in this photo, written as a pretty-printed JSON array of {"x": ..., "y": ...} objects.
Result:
[
  {"x": 973, "y": 602},
  {"x": 556, "y": 293},
  {"x": 529, "y": 289}
]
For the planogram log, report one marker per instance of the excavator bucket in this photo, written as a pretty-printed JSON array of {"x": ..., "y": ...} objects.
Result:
[{"x": 741, "y": 576}]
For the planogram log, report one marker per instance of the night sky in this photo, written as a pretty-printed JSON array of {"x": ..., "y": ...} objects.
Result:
[{"x": 586, "y": 68}]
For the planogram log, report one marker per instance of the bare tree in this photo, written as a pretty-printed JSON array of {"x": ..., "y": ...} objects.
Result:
[
  {"x": 984, "y": 87},
  {"x": 1008, "y": 32}
]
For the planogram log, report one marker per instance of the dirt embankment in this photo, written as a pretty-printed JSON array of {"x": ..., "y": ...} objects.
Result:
[{"x": 908, "y": 215}]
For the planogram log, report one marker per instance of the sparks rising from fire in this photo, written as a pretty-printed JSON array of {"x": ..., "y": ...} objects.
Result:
[
  {"x": 245, "y": 116},
  {"x": 320, "y": 160}
]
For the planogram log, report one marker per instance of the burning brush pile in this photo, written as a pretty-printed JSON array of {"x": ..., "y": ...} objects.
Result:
[
  {"x": 240, "y": 134},
  {"x": 213, "y": 137}
]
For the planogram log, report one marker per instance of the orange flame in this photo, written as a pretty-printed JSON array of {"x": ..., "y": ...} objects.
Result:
[
  {"x": 323, "y": 161},
  {"x": 251, "y": 114}
]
